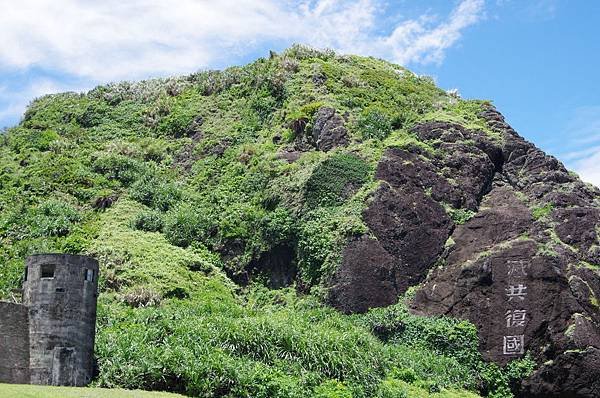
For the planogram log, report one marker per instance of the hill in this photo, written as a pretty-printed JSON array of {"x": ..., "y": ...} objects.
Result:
[{"x": 309, "y": 224}]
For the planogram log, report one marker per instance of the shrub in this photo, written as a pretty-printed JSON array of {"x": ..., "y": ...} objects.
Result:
[
  {"x": 184, "y": 225},
  {"x": 319, "y": 247},
  {"x": 540, "y": 212},
  {"x": 118, "y": 167},
  {"x": 278, "y": 226},
  {"x": 448, "y": 336},
  {"x": 374, "y": 123},
  {"x": 179, "y": 123},
  {"x": 155, "y": 150},
  {"x": 92, "y": 114},
  {"x": 460, "y": 216},
  {"x": 45, "y": 139},
  {"x": 214, "y": 82},
  {"x": 264, "y": 104},
  {"x": 518, "y": 370},
  {"x": 184, "y": 118},
  {"x": 334, "y": 180},
  {"x": 155, "y": 192},
  {"x": 53, "y": 218},
  {"x": 392, "y": 388},
  {"x": 443, "y": 353},
  {"x": 142, "y": 297},
  {"x": 11, "y": 272},
  {"x": 301, "y": 52},
  {"x": 150, "y": 221},
  {"x": 21, "y": 139},
  {"x": 332, "y": 389}
]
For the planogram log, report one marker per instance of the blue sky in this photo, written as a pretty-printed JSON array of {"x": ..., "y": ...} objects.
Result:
[{"x": 538, "y": 60}]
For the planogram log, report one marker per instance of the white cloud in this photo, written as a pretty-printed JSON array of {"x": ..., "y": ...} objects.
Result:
[
  {"x": 580, "y": 144},
  {"x": 420, "y": 41},
  {"x": 588, "y": 168},
  {"x": 579, "y": 153},
  {"x": 12, "y": 105},
  {"x": 96, "y": 42},
  {"x": 115, "y": 39}
]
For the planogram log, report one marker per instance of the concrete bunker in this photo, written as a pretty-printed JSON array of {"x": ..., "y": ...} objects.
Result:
[{"x": 49, "y": 338}]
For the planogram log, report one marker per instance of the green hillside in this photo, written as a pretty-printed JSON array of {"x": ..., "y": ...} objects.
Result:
[{"x": 218, "y": 223}]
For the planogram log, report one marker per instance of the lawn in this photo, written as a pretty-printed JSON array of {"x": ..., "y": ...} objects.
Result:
[{"x": 29, "y": 391}]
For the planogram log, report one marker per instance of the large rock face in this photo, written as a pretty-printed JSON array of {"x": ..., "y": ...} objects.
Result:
[{"x": 524, "y": 269}]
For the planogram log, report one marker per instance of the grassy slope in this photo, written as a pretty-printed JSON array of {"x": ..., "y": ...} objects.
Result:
[
  {"x": 28, "y": 391},
  {"x": 169, "y": 317}
]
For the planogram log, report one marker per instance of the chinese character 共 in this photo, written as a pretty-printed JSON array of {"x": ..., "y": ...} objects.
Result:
[
  {"x": 515, "y": 318},
  {"x": 516, "y": 291}
]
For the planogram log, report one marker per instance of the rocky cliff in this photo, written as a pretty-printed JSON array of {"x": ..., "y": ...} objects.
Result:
[
  {"x": 523, "y": 267},
  {"x": 311, "y": 224}
]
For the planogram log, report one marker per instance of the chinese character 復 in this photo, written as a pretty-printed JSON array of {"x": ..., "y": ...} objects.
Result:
[{"x": 515, "y": 318}]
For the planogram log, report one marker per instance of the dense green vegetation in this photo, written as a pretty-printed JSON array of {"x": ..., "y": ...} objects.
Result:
[{"x": 179, "y": 187}]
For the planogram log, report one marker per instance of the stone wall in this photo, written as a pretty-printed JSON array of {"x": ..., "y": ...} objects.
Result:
[
  {"x": 62, "y": 318},
  {"x": 14, "y": 343}
]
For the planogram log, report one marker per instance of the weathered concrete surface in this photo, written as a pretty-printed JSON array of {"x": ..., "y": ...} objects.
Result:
[
  {"x": 14, "y": 343},
  {"x": 62, "y": 319}
]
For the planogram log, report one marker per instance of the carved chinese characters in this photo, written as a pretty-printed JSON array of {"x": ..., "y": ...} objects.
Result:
[{"x": 516, "y": 313}]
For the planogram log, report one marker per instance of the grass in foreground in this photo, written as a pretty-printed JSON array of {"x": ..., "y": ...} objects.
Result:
[{"x": 29, "y": 391}]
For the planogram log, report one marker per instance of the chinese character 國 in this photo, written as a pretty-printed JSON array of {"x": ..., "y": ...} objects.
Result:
[{"x": 513, "y": 345}]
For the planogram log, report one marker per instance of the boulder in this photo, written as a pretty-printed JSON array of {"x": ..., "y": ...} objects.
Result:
[
  {"x": 329, "y": 131},
  {"x": 365, "y": 279}
]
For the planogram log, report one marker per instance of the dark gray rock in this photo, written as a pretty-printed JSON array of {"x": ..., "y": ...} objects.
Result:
[
  {"x": 572, "y": 374},
  {"x": 329, "y": 131},
  {"x": 530, "y": 285},
  {"x": 521, "y": 280},
  {"x": 366, "y": 278},
  {"x": 411, "y": 227}
]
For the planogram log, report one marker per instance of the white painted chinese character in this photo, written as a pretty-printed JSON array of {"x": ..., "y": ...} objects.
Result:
[
  {"x": 515, "y": 318},
  {"x": 516, "y": 268},
  {"x": 516, "y": 291},
  {"x": 514, "y": 345}
]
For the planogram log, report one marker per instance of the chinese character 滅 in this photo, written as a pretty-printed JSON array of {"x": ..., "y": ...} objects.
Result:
[
  {"x": 516, "y": 291},
  {"x": 515, "y": 318},
  {"x": 514, "y": 345},
  {"x": 516, "y": 268}
]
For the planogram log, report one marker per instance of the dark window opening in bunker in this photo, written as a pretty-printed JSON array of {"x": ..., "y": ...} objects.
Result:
[
  {"x": 89, "y": 275},
  {"x": 48, "y": 271},
  {"x": 25, "y": 274},
  {"x": 60, "y": 290}
]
